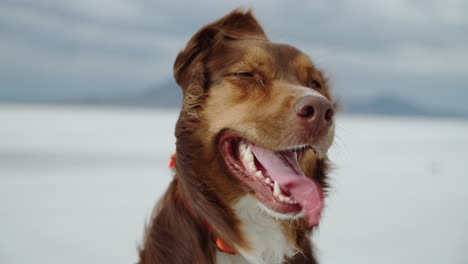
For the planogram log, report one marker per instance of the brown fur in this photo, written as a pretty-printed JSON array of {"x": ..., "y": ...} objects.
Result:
[{"x": 218, "y": 96}]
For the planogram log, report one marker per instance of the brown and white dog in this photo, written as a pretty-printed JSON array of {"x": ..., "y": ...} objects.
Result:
[{"x": 252, "y": 136}]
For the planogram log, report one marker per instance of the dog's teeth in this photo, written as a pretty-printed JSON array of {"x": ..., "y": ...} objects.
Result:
[
  {"x": 242, "y": 146},
  {"x": 268, "y": 181},
  {"x": 276, "y": 189},
  {"x": 283, "y": 198},
  {"x": 286, "y": 199},
  {"x": 259, "y": 175},
  {"x": 248, "y": 156},
  {"x": 252, "y": 167}
]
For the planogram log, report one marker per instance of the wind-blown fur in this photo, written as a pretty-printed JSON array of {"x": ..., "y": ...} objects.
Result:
[{"x": 202, "y": 190}]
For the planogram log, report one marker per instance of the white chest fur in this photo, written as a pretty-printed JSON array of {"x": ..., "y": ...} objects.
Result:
[{"x": 264, "y": 235}]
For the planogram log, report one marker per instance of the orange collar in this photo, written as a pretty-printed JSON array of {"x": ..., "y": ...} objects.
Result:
[{"x": 222, "y": 246}]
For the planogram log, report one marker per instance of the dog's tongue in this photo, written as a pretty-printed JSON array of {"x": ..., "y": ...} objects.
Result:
[{"x": 284, "y": 168}]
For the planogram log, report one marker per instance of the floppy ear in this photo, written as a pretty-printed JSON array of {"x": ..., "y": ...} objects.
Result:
[{"x": 189, "y": 65}]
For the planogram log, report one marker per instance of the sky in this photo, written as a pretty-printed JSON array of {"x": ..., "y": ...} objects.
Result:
[{"x": 66, "y": 48}]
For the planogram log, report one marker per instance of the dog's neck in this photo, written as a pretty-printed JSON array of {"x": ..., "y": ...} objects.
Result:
[
  {"x": 265, "y": 236},
  {"x": 268, "y": 243},
  {"x": 175, "y": 227}
]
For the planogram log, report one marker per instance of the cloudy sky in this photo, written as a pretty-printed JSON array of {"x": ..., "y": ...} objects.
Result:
[{"x": 67, "y": 48}]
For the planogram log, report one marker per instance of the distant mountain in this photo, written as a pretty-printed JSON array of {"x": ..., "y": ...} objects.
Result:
[
  {"x": 388, "y": 104},
  {"x": 167, "y": 94},
  {"x": 384, "y": 104}
]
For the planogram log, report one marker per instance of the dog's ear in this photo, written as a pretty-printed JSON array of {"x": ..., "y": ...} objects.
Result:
[{"x": 189, "y": 64}]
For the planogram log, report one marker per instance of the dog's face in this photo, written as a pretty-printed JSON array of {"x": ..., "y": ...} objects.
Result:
[{"x": 264, "y": 116}]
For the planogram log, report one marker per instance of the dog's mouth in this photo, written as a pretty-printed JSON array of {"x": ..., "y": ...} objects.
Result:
[{"x": 275, "y": 177}]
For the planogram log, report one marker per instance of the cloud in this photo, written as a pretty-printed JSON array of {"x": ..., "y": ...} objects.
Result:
[
  {"x": 406, "y": 60},
  {"x": 50, "y": 46},
  {"x": 103, "y": 44}
]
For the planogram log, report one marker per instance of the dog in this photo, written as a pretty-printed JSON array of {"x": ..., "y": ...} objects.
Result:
[{"x": 251, "y": 163}]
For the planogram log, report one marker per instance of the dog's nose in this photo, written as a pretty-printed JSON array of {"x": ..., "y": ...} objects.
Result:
[{"x": 315, "y": 110}]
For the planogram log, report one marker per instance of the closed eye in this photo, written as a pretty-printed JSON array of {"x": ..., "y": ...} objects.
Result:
[
  {"x": 245, "y": 74},
  {"x": 248, "y": 76},
  {"x": 314, "y": 84}
]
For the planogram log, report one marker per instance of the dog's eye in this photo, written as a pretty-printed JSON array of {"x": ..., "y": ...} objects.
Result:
[
  {"x": 314, "y": 84},
  {"x": 245, "y": 74}
]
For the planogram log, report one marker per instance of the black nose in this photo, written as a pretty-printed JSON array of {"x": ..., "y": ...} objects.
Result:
[{"x": 315, "y": 110}]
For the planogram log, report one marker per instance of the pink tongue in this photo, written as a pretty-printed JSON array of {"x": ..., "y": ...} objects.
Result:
[{"x": 284, "y": 168}]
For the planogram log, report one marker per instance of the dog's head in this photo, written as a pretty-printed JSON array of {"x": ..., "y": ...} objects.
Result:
[{"x": 257, "y": 118}]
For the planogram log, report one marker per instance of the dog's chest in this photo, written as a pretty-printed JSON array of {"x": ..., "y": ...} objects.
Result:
[{"x": 264, "y": 235}]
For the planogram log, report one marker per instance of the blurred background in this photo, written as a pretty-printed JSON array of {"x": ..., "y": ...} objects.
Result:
[{"x": 88, "y": 106}]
